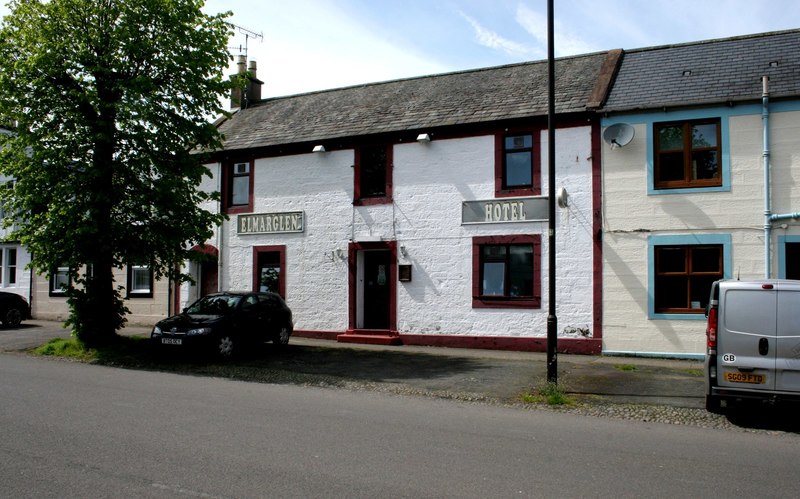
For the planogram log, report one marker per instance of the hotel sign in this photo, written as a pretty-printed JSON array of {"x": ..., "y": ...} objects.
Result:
[
  {"x": 270, "y": 223},
  {"x": 493, "y": 211}
]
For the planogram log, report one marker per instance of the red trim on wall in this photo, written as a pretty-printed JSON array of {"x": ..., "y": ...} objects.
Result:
[
  {"x": 352, "y": 264},
  {"x": 176, "y": 296},
  {"x": 587, "y": 346},
  {"x": 490, "y": 302},
  {"x": 536, "y": 159},
  {"x": 281, "y": 249},
  {"x": 597, "y": 230}
]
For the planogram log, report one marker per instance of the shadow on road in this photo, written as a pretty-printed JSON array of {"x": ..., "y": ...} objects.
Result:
[{"x": 758, "y": 416}]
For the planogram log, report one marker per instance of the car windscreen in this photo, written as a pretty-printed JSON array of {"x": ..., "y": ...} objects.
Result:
[{"x": 214, "y": 305}]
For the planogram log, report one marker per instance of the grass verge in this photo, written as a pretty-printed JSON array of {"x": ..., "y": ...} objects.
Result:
[{"x": 548, "y": 393}]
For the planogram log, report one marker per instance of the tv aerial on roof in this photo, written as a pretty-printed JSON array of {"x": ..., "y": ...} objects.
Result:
[
  {"x": 248, "y": 34},
  {"x": 618, "y": 135}
]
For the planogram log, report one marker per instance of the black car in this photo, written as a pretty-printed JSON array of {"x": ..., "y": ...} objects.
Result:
[
  {"x": 227, "y": 323},
  {"x": 13, "y": 309}
]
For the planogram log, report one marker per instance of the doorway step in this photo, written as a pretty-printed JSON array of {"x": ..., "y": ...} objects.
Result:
[{"x": 370, "y": 338}]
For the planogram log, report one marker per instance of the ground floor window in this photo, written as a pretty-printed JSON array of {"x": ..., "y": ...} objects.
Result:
[
  {"x": 682, "y": 271},
  {"x": 790, "y": 257},
  {"x": 506, "y": 271},
  {"x": 140, "y": 281},
  {"x": 8, "y": 267},
  {"x": 269, "y": 269},
  {"x": 59, "y": 281}
]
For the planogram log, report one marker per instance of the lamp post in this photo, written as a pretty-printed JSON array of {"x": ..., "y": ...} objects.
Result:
[{"x": 552, "y": 320}]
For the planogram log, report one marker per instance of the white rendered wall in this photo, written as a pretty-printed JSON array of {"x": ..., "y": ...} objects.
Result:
[{"x": 430, "y": 181}]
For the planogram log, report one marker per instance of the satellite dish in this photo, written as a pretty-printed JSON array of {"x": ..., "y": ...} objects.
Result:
[{"x": 618, "y": 135}]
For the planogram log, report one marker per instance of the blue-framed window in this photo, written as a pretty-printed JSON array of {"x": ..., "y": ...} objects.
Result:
[
  {"x": 681, "y": 269},
  {"x": 788, "y": 257},
  {"x": 687, "y": 154},
  {"x": 658, "y": 182}
]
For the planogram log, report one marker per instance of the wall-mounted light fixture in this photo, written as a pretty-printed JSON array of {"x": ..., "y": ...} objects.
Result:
[
  {"x": 403, "y": 251},
  {"x": 319, "y": 148},
  {"x": 424, "y": 137}
]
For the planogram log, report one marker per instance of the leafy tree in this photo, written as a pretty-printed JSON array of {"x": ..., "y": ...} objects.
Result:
[{"x": 108, "y": 100}]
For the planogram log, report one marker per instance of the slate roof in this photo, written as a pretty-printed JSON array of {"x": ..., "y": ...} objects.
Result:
[
  {"x": 466, "y": 97},
  {"x": 722, "y": 70}
]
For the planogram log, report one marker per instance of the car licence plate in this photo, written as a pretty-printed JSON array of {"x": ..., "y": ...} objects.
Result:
[
  {"x": 755, "y": 379},
  {"x": 171, "y": 341}
]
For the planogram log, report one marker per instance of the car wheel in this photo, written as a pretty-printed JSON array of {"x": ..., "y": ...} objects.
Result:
[
  {"x": 12, "y": 317},
  {"x": 282, "y": 339},
  {"x": 225, "y": 346}
]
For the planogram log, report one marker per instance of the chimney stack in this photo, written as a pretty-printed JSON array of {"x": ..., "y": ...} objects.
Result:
[
  {"x": 242, "y": 97},
  {"x": 254, "y": 84}
]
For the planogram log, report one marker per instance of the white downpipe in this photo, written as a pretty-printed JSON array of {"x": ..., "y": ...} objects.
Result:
[{"x": 767, "y": 200}]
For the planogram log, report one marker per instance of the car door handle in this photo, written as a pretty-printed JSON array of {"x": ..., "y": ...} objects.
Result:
[{"x": 763, "y": 346}]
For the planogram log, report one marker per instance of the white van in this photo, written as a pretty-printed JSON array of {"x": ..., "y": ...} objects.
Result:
[{"x": 753, "y": 337}]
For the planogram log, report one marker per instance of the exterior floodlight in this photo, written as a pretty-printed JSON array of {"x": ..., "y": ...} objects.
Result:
[
  {"x": 423, "y": 137},
  {"x": 319, "y": 148}
]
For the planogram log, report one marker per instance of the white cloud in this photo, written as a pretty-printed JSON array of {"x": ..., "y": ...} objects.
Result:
[
  {"x": 566, "y": 42},
  {"x": 492, "y": 40}
]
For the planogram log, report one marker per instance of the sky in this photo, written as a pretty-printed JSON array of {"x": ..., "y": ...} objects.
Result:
[{"x": 310, "y": 45}]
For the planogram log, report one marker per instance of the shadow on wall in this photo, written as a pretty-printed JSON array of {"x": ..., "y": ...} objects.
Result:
[{"x": 635, "y": 288}]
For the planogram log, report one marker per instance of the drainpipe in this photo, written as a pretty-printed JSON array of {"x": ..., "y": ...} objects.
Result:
[
  {"x": 767, "y": 200},
  {"x": 220, "y": 234}
]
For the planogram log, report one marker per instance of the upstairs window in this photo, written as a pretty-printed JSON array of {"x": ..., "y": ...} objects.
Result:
[
  {"x": 687, "y": 154},
  {"x": 373, "y": 175},
  {"x": 238, "y": 185},
  {"x": 517, "y": 165}
]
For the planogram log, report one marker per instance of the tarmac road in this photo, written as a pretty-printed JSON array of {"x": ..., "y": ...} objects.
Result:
[{"x": 647, "y": 389}]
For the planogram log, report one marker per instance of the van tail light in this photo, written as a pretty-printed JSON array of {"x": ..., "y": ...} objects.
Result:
[{"x": 711, "y": 328}]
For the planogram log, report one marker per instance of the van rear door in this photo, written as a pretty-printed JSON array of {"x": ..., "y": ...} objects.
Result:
[
  {"x": 787, "y": 367},
  {"x": 746, "y": 338}
]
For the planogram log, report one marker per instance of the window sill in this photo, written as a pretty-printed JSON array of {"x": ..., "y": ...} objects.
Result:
[
  {"x": 658, "y": 316},
  {"x": 372, "y": 201},
  {"x": 520, "y": 192},
  {"x": 504, "y": 302}
]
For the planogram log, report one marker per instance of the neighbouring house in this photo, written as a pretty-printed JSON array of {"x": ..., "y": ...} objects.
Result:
[
  {"x": 708, "y": 187},
  {"x": 414, "y": 211},
  {"x": 15, "y": 277}
]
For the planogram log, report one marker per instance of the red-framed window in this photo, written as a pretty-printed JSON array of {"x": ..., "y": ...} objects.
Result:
[
  {"x": 506, "y": 271},
  {"x": 373, "y": 174},
  {"x": 237, "y": 187},
  {"x": 517, "y": 163}
]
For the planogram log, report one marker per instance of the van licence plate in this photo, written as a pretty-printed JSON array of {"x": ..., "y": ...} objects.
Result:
[
  {"x": 171, "y": 341},
  {"x": 755, "y": 379}
]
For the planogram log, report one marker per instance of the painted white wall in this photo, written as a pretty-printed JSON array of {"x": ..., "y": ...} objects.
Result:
[
  {"x": 630, "y": 215},
  {"x": 430, "y": 181}
]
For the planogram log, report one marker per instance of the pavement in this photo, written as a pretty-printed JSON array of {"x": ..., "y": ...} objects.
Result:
[{"x": 471, "y": 374}]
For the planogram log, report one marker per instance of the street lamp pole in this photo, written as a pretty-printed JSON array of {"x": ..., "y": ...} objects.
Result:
[{"x": 552, "y": 320}]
